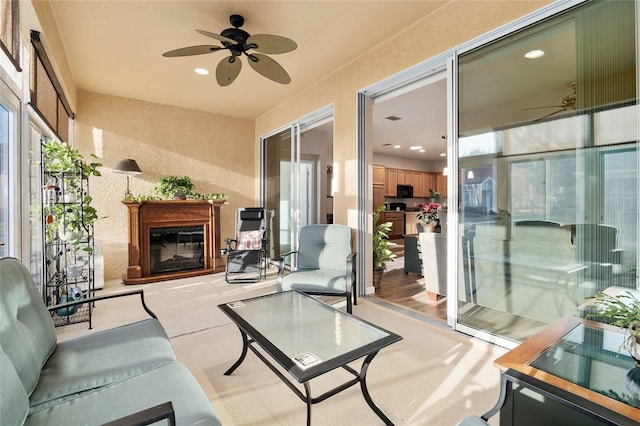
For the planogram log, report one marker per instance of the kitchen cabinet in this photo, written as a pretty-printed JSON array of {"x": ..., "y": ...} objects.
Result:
[
  {"x": 397, "y": 224},
  {"x": 378, "y": 196},
  {"x": 404, "y": 177},
  {"x": 420, "y": 184},
  {"x": 379, "y": 183},
  {"x": 391, "y": 183},
  {"x": 421, "y": 181},
  {"x": 430, "y": 182},
  {"x": 441, "y": 184},
  {"x": 379, "y": 177}
]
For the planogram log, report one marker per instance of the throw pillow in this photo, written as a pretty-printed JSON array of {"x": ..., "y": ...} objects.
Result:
[{"x": 249, "y": 240}]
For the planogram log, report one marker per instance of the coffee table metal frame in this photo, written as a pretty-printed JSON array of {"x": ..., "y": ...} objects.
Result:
[{"x": 251, "y": 335}]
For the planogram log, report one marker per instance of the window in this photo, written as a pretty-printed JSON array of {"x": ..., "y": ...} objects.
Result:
[
  {"x": 10, "y": 30},
  {"x": 47, "y": 96}
]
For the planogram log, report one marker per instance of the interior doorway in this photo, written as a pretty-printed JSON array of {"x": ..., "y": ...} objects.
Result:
[{"x": 408, "y": 139}]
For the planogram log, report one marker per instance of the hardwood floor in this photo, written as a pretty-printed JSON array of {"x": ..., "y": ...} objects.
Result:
[{"x": 407, "y": 290}]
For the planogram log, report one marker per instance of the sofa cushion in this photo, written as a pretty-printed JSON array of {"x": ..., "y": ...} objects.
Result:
[
  {"x": 171, "y": 382},
  {"x": 27, "y": 334},
  {"x": 14, "y": 402},
  {"x": 100, "y": 359}
]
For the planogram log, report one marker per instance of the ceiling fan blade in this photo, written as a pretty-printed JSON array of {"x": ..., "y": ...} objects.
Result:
[
  {"x": 269, "y": 68},
  {"x": 216, "y": 36},
  {"x": 227, "y": 70},
  {"x": 192, "y": 50},
  {"x": 272, "y": 44}
]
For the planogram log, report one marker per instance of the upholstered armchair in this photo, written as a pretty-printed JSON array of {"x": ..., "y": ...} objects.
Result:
[{"x": 324, "y": 263}]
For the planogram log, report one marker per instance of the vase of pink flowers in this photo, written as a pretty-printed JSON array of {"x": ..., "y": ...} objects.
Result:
[{"x": 428, "y": 215}]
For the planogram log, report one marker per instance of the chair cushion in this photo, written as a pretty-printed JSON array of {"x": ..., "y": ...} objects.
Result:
[
  {"x": 101, "y": 359},
  {"x": 324, "y": 247},
  {"x": 27, "y": 333},
  {"x": 171, "y": 382},
  {"x": 320, "y": 280},
  {"x": 249, "y": 240}
]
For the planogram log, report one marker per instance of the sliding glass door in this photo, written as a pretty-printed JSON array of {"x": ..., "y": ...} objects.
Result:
[
  {"x": 295, "y": 182},
  {"x": 548, "y": 167}
]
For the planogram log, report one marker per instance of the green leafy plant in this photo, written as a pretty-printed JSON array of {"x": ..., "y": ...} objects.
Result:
[
  {"x": 174, "y": 187},
  {"x": 381, "y": 245},
  {"x": 62, "y": 157},
  {"x": 434, "y": 194},
  {"x": 622, "y": 310}
]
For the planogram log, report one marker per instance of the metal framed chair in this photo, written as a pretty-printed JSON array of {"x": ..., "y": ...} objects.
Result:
[
  {"x": 325, "y": 263},
  {"x": 247, "y": 252}
]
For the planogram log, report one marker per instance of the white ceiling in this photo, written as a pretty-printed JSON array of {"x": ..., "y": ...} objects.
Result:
[{"x": 115, "y": 47}]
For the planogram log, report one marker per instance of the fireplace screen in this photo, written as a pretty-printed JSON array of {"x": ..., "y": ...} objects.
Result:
[{"x": 176, "y": 249}]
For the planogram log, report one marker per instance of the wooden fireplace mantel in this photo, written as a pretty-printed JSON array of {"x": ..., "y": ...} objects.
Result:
[{"x": 171, "y": 213}]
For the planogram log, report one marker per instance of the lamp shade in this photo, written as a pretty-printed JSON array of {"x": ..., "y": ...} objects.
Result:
[{"x": 128, "y": 166}]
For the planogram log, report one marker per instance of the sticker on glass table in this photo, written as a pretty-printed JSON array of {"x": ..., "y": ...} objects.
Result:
[
  {"x": 237, "y": 304},
  {"x": 307, "y": 359}
]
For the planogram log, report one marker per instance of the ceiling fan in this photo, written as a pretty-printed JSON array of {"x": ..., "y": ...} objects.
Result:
[
  {"x": 239, "y": 42},
  {"x": 568, "y": 103}
]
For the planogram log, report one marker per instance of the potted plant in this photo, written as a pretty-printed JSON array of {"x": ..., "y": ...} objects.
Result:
[
  {"x": 174, "y": 187},
  {"x": 621, "y": 310},
  {"x": 434, "y": 196},
  {"x": 72, "y": 216},
  {"x": 381, "y": 247},
  {"x": 63, "y": 158},
  {"x": 428, "y": 215}
]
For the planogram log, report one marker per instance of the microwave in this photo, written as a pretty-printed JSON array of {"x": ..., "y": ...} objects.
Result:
[{"x": 404, "y": 191}]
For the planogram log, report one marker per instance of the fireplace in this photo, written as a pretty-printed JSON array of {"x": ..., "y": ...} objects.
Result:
[
  {"x": 173, "y": 239},
  {"x": 176, "y": 249}
]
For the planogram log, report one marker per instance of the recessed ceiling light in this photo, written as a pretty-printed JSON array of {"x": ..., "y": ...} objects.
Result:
[
  {"x": 443, "y": 154},
  {"x": 534, "y": 54},
  {"x": 396, "y": 146},
  {"x": 201, "y": 71},
  {"x": 422, "y": 150},
  {"x": 415, "y": 148}
]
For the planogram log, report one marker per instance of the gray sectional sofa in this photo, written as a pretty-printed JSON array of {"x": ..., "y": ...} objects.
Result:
[{"x": 125, "y": 375}]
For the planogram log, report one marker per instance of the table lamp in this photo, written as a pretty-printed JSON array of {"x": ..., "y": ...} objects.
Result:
[{"x": 127, "y": 166}]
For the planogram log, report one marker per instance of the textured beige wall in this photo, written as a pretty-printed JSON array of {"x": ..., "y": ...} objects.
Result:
[
  {"x": 217, "y": 152},
  {"x": 449, "y": 26}
]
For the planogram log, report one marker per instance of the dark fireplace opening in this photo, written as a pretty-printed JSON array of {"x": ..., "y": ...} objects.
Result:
[{"x": 179, "y": 248}]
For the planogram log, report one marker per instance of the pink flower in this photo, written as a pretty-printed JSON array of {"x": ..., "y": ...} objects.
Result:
[{"x": 428, "y": 212}]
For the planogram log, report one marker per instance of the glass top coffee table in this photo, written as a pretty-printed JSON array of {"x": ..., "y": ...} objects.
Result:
[
  {"x": 579, "y": 363},
  {"x": 307, "y": 338}
]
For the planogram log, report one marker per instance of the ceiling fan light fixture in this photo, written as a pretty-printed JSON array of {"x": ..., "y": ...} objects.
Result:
[
  {"x": 238, "y": 42},
  {"x": 534, "y": 54}
]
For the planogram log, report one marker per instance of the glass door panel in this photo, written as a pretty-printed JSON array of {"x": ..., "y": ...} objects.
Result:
[
  {"x": 276, "y": 183},
  {"x": 548, "y": 209}
]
